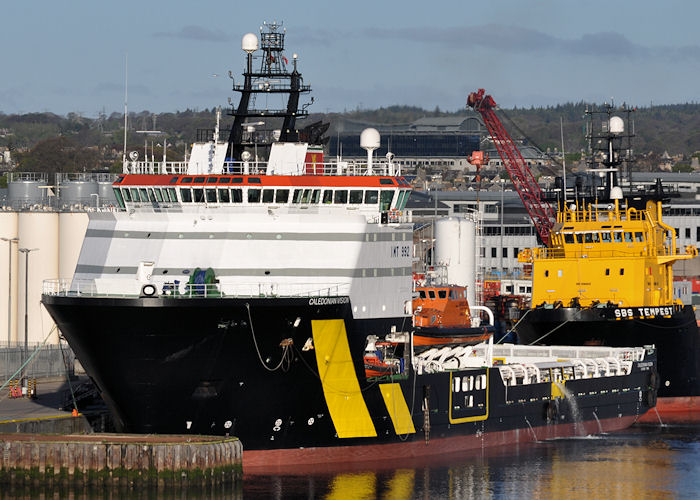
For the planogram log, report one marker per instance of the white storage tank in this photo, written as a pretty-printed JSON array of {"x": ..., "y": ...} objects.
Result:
[
  {"x": 455, "y": 248},
  {"x": 37, "y": 230},
  {"x": 71, "y": 232},
  {"x": 8, "y": 277}
]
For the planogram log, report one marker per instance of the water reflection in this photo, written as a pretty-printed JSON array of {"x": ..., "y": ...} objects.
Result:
[{"x": 650, "y": 462}]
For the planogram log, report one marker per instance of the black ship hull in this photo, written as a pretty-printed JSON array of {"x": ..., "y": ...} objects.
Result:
[
  {"x": 286, "y": 376},
  {"x": 672, "y": 329}
]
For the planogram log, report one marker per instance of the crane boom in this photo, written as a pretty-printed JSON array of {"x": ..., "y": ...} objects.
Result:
[{"x": 540, "y": 211}]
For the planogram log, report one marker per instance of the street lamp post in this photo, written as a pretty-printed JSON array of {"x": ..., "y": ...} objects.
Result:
[
  {"x": 26, "y": 251},
  {"x": 9, "y": 241}
]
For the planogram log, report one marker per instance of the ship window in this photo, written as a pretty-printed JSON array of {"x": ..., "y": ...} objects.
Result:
[
  {"x": 588, "y": 238},
  {"x": 253, "y": 196},
  {"x": 187, "y": 180},
  {"x": 315, "y": 196},
  {"x": 236, "y": 195},
  {"x": 687, "y": 233},
  {"x": 268, "y": 195},
  {"x": 568, "y": 238},
  {"x": 457, "y": 384},
  {"x": 442, "y": 294},
  {"x": 282, "y": 196},
  {"x": 159, "y": 195},
  {"x": 622, "y": 271},
  {"x": 617, "y": 236},
  {"x": 199, "y": 180},
  {"x": 516, "y": 251},
  {"x": 172, "y": 194},
  {"x": 224, "y": 180},
  {"x": 385, "y": 199},
  {"x": 118, "y": 194},
  {"x": 465, "y": 384},
  {"x": 477, "y": 386},
  {"x": 421, "y": 294},
  {"x": 483, "y": 381},
  {"x": 559, "y": 273},
  {"x": 224, "y": 195},
  {"x": 186, "y": 195},
  {"x": 198, "y": 195},
  {"x": 493, "y": 252},
  {"x": 328, "y": 196},
  {"x": 355, "y": 196},
  {"x": 546, "y": 273},
  {"x": 211, "y": 195},
  {"x": 173, "y": 180},
  {"x": 579, "y": 238},
  {"x": 307, "y": 196},
  {"x": 605, "y": 237},
  {"x": 143, "y": 194},
  {"x": 505, "y": 252},
  {"x": 151, "y": 196},
  {"x": 431, "y": 294},
  {"x": 127, "y": 194},
  {"x": 340, "y": 196},
  {"x": 211, "y": 180},
  {"x": 387, "y": 182},
  {"x": 596, "y": 237},
  {"x": 298, "y": 193},
  {"x": 237, "y": 180},
  {"x": 119, "y": 181},
  {"x": 639, "y": 236},
  {"x": 371, "y": 197},
  {"x": 607, "y": 272},
  {"x": 253, "y": 180},
  {"x": 628, "y": 237}
]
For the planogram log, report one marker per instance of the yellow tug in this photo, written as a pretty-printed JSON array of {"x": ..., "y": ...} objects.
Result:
[{"x": 616, "y": 255}]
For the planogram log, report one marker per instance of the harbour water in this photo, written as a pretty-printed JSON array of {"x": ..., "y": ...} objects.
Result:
[{"x": 641, "y": 462}]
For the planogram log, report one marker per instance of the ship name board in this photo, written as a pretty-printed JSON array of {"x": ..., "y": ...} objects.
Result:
[
  {"x": 643, "y": 312},
  {"x": 326, "y": 301}
]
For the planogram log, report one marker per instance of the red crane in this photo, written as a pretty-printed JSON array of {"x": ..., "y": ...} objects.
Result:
[{"x": 540, "y": 211}]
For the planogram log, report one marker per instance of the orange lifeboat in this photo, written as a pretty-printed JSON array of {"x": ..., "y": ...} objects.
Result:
[{"x": 441, "y": 316}]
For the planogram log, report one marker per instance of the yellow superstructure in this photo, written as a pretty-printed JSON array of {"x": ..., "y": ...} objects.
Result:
[{"x": 612, "y": 255}]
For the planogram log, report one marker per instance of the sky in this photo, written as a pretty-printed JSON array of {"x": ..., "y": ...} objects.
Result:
[{"x": 71, "y": 56}]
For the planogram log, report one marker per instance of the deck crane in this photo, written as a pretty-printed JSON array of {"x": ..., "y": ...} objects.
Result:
[{"x": 540, "y": 211}]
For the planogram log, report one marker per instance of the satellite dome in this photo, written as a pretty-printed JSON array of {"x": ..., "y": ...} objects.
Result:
[
  {"x": 249, "y": 43},
  {"x": 370, "y": 139},
  {"x": 617, "y": 125},
  {"x": 616, "y": 191}
]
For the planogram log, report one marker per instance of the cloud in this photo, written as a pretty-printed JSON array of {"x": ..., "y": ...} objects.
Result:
[
  {"x": 191, "y": 32},
  {"x": 515, "y": 39}
]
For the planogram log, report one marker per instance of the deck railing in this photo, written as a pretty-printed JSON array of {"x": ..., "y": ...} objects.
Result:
[{"x": 177, "y": 289}]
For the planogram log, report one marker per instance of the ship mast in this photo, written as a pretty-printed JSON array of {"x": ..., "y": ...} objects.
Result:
[{"x": 273, "y": 77}]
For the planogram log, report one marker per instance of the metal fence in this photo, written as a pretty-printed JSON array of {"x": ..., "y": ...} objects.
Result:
[{"x": 50, "y": 361}]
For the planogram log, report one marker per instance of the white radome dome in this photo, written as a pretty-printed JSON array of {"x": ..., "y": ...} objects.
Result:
[
  {"x": 617, "y": 125},
  {"x": 249, "y": 43},
  {"x": 370, "y": 139}
]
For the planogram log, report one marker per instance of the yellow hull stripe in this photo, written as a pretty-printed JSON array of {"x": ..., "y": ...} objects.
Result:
[
  {"x": 398, "y": 410},
  {"x": 340, "y": 386}
]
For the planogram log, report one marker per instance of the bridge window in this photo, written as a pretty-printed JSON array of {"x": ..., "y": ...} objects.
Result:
[
  {"x": 224, "y": 195},
  {"x": 431, "y": 294},
  {"x": 118, "y": 194},
  {"x": 172, "y": 194},
  {"x": 199, "y": 180},
  {"x": 151, "y": 196},
  {"x": 617, "y": 236},
  {"x": 315, "y": 196},
  {"x": 355, "y": 196},
  {"x": 579, "y": 237},
  {"x": 237, "y": 195},
  {"x": 198, "y": 195},
  {"x": 371, "y": 197},
  {"x": 568, "y": 238},
  {"x": 340, "y": 196},
  {"x": 159, "y": 195},
  {"x": 296, "y": 197},
  {"x": 442, "y": 294},
  {"x": 306, "y": 197},
  {"x": 605, "y": 237},
  {"x": 639, "y": 236},
  {"x": 144, "y": 195},
  {"x": 186, "y": 195},
  {"x": 224, "y": 180},
  {"x": 253, "y": 195},
  {"x": 421, "y": 294},
  {"x": 327, "y": 196},
  {"x": 628, "y": 237},
  {"x": 385, "y": 199},
  {"x": 211, "y": 195},
  {"x": 268, "y": 195},
  {"x": 282, "y": 196},
  {"x": 127, "y": 196}
]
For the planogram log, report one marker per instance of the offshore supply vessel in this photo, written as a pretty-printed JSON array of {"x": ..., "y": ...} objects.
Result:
[
  {"x": 233, "y": 295},
  {"x": 606, "y": 278}
]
